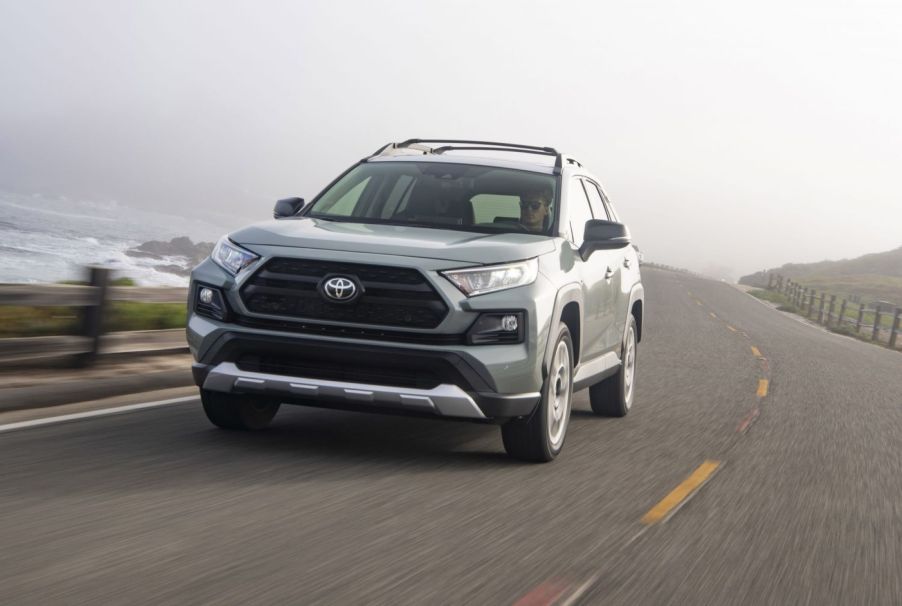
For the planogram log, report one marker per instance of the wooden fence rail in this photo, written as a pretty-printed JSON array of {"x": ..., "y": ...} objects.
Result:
[
  {"x": 841, "y": 314},
  {"x": 92, "y": 301}
]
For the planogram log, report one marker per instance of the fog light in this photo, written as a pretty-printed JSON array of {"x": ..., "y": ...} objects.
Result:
[
  {"x": 498, "y": 328},
  {"x": 211, "y": 303},
  {"x": 509, "y": 323}
]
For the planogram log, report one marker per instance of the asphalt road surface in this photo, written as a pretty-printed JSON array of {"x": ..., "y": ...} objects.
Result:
[{"x": 800, "y": 501}]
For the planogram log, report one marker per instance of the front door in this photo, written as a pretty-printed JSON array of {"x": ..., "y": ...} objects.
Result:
[{"x": 600, "y": 278}]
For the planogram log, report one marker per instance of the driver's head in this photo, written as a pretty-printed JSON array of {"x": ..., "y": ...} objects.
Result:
[{"x": 534, "y": 205}]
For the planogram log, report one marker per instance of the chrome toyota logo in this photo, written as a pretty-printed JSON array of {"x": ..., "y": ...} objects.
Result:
[{"x": 340, "y": 289}]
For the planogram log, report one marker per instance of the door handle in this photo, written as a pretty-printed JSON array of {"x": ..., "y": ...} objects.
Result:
[{"x": 608, "y": 273}]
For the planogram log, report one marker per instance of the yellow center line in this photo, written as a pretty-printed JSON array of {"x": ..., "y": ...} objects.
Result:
[
  {"x": 697, "y": 302},
  {"x": 713, "y": 315},
  {"x": 756, "y": 352},
  {"x": 681, "y": 493},
  {"x": 762, "y": 388},
  {"x": 731, "y": 328}
]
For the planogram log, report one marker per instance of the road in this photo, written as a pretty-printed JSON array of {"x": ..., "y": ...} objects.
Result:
[{"x": 804, "y": 505}]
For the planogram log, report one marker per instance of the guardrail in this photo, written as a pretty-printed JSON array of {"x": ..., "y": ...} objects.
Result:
[
  {"x": 878, "y": 324},
  {"x": 92, "y": 300}
]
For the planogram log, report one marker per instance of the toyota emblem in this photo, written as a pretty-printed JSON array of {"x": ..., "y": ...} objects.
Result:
[{"x": 340, "y": 289}]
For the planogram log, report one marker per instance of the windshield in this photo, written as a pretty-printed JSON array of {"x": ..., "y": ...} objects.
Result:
[{"x": 448, "y": 196}]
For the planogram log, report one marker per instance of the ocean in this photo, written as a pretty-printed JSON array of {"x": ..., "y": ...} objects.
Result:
[{"x": 49, "y": 239}]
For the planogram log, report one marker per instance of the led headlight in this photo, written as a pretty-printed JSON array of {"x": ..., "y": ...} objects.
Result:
[
  {"x": 232, "y": 257},
  {"x": 481, "y": 280}
]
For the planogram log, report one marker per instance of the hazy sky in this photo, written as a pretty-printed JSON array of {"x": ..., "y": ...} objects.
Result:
[{"x": 736, "y": 135}]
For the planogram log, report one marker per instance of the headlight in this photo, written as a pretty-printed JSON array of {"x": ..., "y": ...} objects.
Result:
[
  {"x": 481, "y": 280},
  {"x": 232, "y": 257}
]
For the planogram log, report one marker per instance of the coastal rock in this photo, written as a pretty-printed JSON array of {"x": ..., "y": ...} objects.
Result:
[{"x": 177, "y": 247}]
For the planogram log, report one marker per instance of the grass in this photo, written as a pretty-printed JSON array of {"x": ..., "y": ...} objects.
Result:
[
  {"x": 124, "y": 281},
  {"x": 121, "y": 315},
  {"x": 771, "y": 296}
]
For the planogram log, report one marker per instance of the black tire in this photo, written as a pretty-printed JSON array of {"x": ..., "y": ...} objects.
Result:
[
  {"x": 234, "y": 411},
  {"x": 536, "y": 438},
  {"x": 613, "y": 397}
]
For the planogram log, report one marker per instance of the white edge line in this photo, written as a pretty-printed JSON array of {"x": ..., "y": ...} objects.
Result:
[
  {"x": 76, "y": 416},
  {"x": 580, "y": 591}
]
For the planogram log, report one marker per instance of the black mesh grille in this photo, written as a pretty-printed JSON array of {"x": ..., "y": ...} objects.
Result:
[{"x": 392, "y": 296}]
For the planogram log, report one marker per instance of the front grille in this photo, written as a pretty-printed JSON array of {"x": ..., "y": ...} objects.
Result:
[
  {"x": 392, "y": 296},
  {"x": 352, "y": 332},
  {"x": 332, "y": 370}
]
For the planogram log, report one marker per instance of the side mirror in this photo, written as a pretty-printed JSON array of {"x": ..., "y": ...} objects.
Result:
[
  {"x": 603, "y": 235},
  {"x": 287, "y": 207}
]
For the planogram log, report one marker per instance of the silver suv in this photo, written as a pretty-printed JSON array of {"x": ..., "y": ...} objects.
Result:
[{"x": 470, "y": 280}]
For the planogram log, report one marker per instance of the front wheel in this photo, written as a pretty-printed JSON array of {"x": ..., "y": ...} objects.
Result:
[
  {"x": 613, "y": 397},
  {"x": 235, "y": 411},
  {"x": 541, "y": 437}
]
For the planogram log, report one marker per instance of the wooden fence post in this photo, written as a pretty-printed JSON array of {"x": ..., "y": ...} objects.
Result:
[
  {"x": 820, "y": 309},
  {"x": 811, "y": 296},
  {"x": 830, "y": 312},
  {"x": 860, "y": 318},
  {"x": 875, "y": 333},
  {"x": 895, "y": 331},
  {"x": 92, "y": 315},
  {"x": 842, "y": 313}
]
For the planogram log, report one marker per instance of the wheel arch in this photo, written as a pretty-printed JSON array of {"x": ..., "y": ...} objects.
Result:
[
  {"x": 568, "y": 311},
  {"x": 637, "y": 310}
]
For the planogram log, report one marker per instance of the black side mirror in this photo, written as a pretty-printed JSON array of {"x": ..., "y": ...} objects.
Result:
[
  {"x": 287, "y": 207},
  {"x": 603, "y": 235}
]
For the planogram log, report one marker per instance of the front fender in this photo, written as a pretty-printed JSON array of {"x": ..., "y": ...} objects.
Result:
[
  {"x": 637, "y": 295},
  {"x": 568, "y": 293}
]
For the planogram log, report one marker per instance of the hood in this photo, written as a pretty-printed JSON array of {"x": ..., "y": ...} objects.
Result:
[{"x": 401, "y": 240}]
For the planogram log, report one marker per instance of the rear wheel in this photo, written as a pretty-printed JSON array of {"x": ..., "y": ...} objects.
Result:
[
  {"x": 236, "y": 411},
  {"x": 541, "y": 437},
  {"x": 613, "y": 396}
]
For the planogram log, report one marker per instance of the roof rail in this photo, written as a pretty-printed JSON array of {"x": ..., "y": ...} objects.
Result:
[
  {"x": 466, "y": 144},
  {"x": 453, "y": 142}
]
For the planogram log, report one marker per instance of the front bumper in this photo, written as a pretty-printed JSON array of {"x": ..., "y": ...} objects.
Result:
[{"x": 358, "y": 377}]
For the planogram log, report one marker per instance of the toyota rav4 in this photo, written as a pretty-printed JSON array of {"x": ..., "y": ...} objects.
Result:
[{"x": 466, "y": 280}]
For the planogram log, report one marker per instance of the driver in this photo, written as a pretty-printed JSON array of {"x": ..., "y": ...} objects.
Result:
[{"x": 534, "y": 204}]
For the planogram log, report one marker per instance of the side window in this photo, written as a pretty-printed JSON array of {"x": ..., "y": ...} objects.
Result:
[
  {"x": 607, "y": 202},
  {"x": 595, "y": 201},
  {"x": 578, "y": 210}
]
